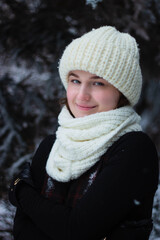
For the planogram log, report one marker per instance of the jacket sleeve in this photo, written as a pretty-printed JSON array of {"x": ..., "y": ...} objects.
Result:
[
  {"x": 24, "y": 228},
  {"x": 129, "y": 176}
]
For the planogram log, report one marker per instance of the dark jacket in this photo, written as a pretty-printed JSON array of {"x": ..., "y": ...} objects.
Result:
[{"x": 113, "y": 199}]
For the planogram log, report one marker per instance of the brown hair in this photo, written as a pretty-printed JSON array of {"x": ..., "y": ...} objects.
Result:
[{"x": 123, "y": 101}]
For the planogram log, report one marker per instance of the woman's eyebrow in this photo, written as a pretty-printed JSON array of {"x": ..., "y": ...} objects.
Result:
[
  {"x": 73, "y": 74},
  {"x": 96, "y": 77}
]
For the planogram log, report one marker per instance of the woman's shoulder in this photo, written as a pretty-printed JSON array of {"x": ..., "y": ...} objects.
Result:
[
  {"x": 136, "y": 137},
  {"x": 43, "y": 150},
  {"x": 135, "y": 152},
  {"x": 138, "y": 142},
  {"x": 47, "y": 142},
  {"x": 40, "y": 158},
  {"x": 136, "y": 149}
]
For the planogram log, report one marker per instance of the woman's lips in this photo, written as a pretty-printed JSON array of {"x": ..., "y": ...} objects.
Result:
[{"x": 85, "y": 108}]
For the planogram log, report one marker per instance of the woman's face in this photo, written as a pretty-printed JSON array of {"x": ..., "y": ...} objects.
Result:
[{"x": 88, "y": 94}]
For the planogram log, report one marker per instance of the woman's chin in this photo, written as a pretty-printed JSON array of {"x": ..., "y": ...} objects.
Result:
[{"x": 79, "y": 114}]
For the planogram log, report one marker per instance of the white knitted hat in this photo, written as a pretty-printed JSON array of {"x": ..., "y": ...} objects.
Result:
[{"x": 109, "y": 54}]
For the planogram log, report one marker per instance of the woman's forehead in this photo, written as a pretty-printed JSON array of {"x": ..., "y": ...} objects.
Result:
[{"x": 79, "y": 73}]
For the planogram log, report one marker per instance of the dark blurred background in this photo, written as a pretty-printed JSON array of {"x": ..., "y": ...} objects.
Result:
[{"x": 33, "y": 35}]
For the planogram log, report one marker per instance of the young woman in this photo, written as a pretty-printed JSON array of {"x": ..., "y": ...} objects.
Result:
[{"x": 96, "y": 177}]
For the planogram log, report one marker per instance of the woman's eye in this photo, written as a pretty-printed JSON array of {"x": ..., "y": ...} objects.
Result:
[
  {"x": 75, "y": 81},
  {"x": 98, "y": 83}
]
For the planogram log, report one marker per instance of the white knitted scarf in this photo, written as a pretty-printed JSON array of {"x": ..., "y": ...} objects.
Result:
[{"x": 80, "y": 142}]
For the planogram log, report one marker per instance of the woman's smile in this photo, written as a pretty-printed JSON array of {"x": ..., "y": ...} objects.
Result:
[{"x": 84, "y": 107}]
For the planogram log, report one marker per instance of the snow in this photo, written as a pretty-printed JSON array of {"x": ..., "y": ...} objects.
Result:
[
  {"x": 18, "y": 73},
  {"x": 93, "y": 3},
  {"x": 7, "y": 212},
  {"x": 136, "y": 202},
  {"x": 155, "y": 235}
]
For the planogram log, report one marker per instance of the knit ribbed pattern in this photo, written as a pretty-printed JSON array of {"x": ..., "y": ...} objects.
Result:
[
  {"x": 109, "y": 54},
  {"x": 82, "y": 141}
]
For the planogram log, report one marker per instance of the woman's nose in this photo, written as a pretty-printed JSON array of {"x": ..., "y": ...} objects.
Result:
[{"x": 83, "y": 94}]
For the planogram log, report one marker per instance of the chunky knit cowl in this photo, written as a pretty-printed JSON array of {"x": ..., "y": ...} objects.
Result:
[{"x": 80, "y": 142}]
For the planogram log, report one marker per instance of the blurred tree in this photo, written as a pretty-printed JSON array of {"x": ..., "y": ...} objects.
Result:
[{"x": 27, "y": 111}]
